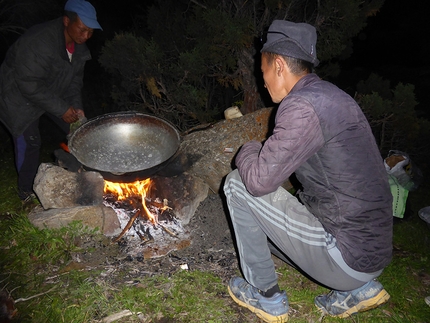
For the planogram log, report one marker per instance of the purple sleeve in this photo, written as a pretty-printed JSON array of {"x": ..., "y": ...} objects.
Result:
[{"x": 296, "y": 137}]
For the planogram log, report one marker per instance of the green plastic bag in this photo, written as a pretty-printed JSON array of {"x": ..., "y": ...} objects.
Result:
[{"x": 400, "y": 195}]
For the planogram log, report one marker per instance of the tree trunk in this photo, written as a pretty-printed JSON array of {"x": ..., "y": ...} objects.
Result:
[{"x": 247, "y": 66}]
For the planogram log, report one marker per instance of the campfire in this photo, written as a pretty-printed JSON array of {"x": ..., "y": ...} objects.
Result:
[
  {"x": 148, "y": 224},
  {"x": 143, "y": 212},
  {"x": 145, "y": 217}
]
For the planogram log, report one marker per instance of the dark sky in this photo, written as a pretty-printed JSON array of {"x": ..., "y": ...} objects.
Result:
[
  {"x": 395, "y": 45},
  {"x": 395, "y": 36}
]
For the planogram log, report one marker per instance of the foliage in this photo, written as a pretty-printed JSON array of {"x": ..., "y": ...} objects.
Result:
[
  {"x": 391, "y": 114},
  {"x": 201, "y": 56},
  {"x": 7, "y": 24},
  {"x": 9, "y": 181},
  {"x": 337, "y": 22},
  {"x": 28, "y": 245},
  {"x": 17, "y": 15},
  {"x": 142, "y": 83}
]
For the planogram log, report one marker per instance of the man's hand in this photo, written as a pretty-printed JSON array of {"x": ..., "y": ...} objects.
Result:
[
  {"x": 81, "y": 113},
  {"x": 71, "y": 115}
]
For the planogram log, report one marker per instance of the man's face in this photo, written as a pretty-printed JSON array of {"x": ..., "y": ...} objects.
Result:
[
  {"x": 77, "y": 31},
  {"x": 273, "y": 81}
]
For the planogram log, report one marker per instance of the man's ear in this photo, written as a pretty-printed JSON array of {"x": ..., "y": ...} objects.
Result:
[
  {"x": 66, "y": 21},
  {"x": 279, "y": 65}
]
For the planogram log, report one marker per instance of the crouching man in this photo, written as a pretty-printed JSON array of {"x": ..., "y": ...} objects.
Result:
[{"x": 338, "y": 230}]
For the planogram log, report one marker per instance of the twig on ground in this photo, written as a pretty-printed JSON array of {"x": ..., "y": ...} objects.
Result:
[
  {"x": 116, "y": 316},
  {"x": 34, "y": 296}
]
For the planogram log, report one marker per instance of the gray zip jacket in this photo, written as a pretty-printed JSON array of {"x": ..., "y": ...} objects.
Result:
[
  {"x": 322, "y": 135},
  {"x": 37, "y": 76}
]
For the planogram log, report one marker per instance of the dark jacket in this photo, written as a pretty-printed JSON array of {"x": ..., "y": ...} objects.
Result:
[
  {"x": 37, "y": 76},
  {"x": 322, "y": 135}
]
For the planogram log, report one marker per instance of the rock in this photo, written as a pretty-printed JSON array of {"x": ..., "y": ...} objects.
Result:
[
  {"x": 183, "y": 192},
  {"x": 66, "y": 196},
  {"x": 93, "y": 217},
  {"x": 212, "y": 150},
  {"x": 232, "y": 113},
  {"x": 59, "y": 188}
]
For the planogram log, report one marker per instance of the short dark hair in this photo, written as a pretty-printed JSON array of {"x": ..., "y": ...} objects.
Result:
[
  {"x": 297, "y": 66},
  {"x": 73, "y": 16}
]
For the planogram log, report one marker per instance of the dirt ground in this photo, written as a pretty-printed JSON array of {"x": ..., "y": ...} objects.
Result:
[{"x": 211, "y": 248}]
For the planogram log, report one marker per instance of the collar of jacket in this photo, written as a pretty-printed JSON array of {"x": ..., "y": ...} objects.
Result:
[{"x": 304, "y": 81}]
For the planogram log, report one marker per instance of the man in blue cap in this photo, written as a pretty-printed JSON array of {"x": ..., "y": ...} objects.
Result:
[
  {"x": 338, "y": 228},
  {"x": 43, "y": 73}
]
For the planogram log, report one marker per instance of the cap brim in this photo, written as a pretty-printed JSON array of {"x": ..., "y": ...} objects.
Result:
[
  {"x": 90, "y": 23},
  {"x": 286, "y": 47}
]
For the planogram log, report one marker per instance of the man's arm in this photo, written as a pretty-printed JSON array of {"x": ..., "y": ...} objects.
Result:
[
  {"x": 296, "y": 137},
  {"x": 33, "y": 76}
]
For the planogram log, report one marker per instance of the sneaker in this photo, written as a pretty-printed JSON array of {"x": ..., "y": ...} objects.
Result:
[
  {"x": 427, "y": 300},
  {"x": 269, "y": 309},
  {"x": 344, "y": 304}
]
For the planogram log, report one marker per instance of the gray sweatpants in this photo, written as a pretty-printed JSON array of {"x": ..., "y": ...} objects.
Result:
[{"x": 296, "y": 233}]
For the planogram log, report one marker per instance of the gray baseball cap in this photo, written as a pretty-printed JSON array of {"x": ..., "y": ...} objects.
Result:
[{"x": 297, "y": 40}]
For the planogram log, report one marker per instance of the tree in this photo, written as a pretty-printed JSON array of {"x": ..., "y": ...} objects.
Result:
[
  {"x": 200, "y": 56},
  {"x": 392, "y": 116},
  {"x": 18, "y": 15},
  {"x": 336, "y": 23}
]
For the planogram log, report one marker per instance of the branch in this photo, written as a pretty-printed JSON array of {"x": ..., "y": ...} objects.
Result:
[
  {"x": 116, "y": 316},
  {"x": 199, "y": 4},
  {"x": 34, "y": 296}
]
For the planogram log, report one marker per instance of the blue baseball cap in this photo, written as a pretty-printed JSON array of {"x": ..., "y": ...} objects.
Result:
[{"x": 85, "y": 12}]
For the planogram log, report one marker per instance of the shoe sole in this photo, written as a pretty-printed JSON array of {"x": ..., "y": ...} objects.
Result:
[
  {"x": 363, "y": 306},
  {"x": 260, "y": 313}
]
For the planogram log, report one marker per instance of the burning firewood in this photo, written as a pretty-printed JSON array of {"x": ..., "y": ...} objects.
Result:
[
  {"x": 128, "y": 226},
  {"x": 132, "y": 198},
  {"x": 167, "y": 230}
]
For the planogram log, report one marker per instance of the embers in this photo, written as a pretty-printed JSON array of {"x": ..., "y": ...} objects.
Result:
[
  {"x": 145, "y": 222},
  {"x": 137, "y": 217}
]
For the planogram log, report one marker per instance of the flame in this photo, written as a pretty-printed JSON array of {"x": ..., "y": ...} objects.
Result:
[{"x": 128, "y": 191}]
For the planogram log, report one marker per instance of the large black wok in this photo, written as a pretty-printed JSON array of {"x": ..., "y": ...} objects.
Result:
[{"x": 124, "y": 146}]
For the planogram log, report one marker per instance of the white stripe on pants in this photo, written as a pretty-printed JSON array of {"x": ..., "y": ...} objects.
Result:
[{"x": 298, "y": 234}]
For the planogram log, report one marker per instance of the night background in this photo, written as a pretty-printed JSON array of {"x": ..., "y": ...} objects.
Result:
[{"x": 393, "y": 45}]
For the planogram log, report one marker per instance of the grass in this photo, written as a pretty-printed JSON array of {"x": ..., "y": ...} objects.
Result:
[
  {"x": 78, "y": 298},
  {"x": 33, "y": 269}
]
